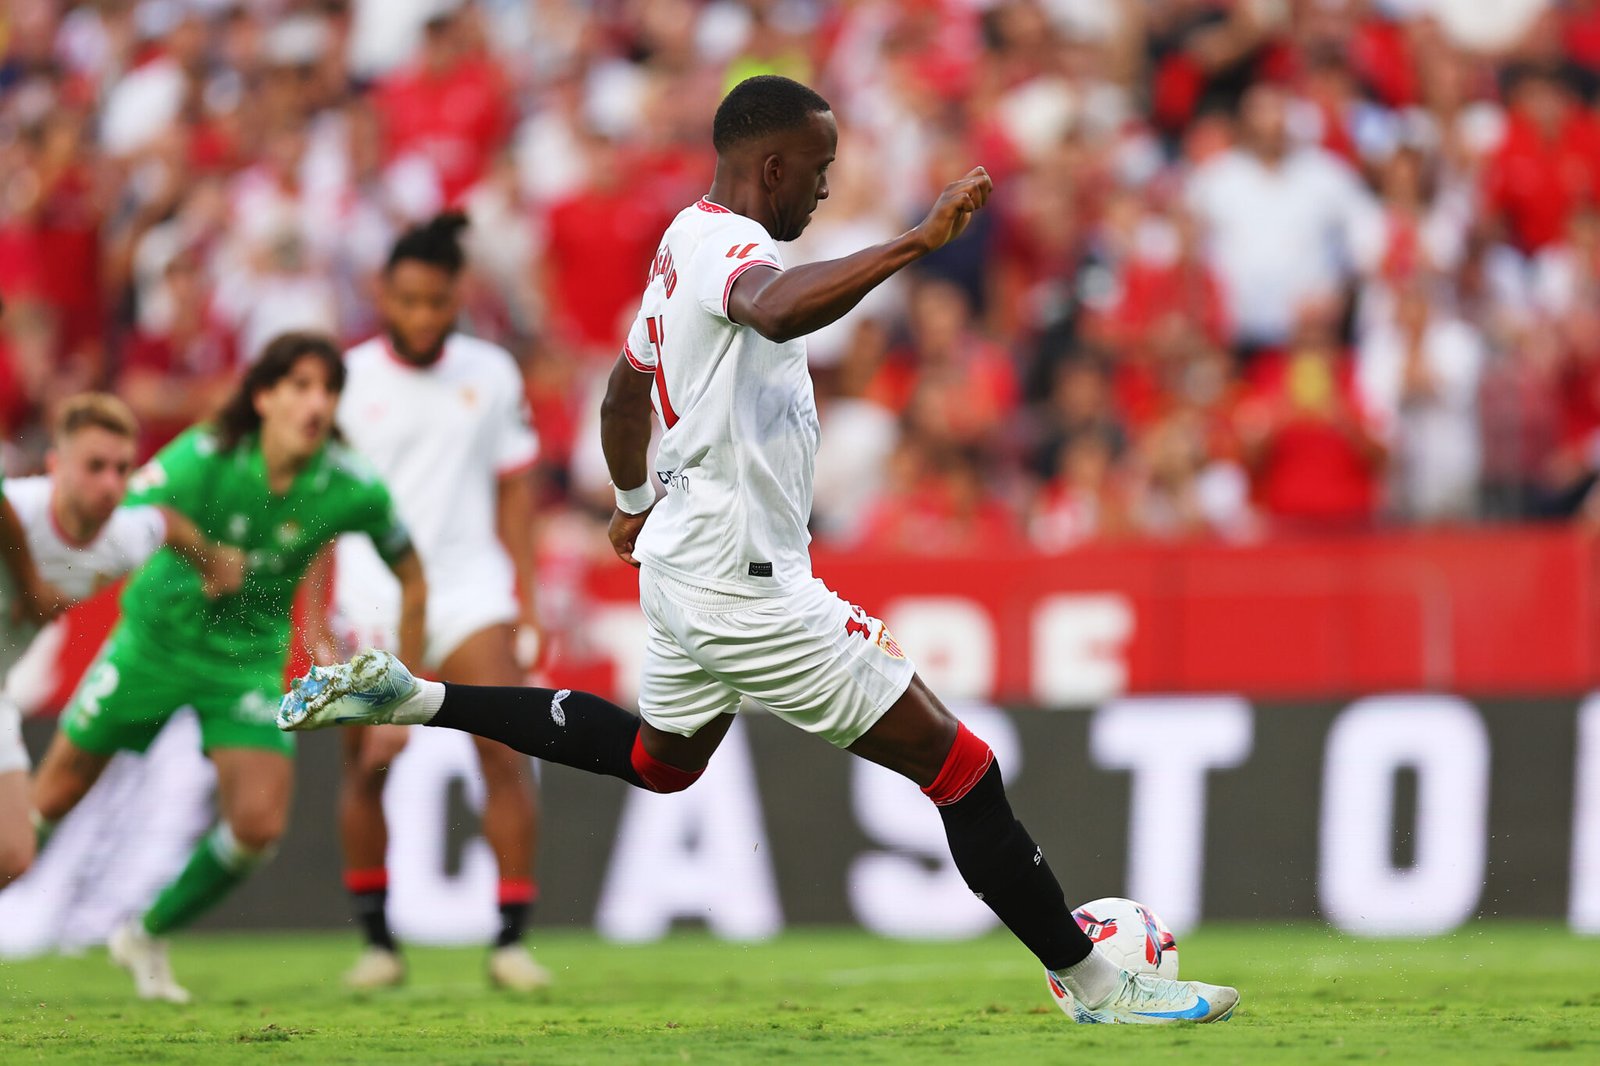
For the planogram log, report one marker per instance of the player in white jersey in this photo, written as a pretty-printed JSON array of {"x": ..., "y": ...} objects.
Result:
[
  {"x": 726, "y": 583},
  {"x": 80, "y": 539},
  {"x": 441, "y": 416}
]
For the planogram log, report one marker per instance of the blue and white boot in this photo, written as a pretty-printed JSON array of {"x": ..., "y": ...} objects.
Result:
[
  {"x": 1145, "y": 999},
  {"x": 374, "y": 688}
]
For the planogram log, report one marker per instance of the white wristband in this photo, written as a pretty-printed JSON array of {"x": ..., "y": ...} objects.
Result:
[{"x": 636, "y": 500}]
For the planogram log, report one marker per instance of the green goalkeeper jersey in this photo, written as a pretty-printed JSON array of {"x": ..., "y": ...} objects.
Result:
[{"x": 227, "y": 496}]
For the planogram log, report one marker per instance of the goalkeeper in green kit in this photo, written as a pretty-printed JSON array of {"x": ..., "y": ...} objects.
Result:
[{"x": 263, "y": 476}]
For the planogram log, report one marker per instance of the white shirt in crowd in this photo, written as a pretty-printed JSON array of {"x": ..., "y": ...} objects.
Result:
[
  {"x": 1277, "y": 235},
  {"x": 1435, "y": 440},
  {"x": 131, "y": 536},
  {"x": 738, "y": 453}
]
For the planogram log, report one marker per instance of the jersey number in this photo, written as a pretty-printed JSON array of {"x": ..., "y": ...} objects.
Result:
[{"x": 658, "y": 332}]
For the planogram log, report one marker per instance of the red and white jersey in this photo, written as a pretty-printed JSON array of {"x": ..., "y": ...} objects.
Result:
[
  {"x": 740, "y": 445},
  {"x": 131, "y": 536},
  {"x": 440, "y": 437}
]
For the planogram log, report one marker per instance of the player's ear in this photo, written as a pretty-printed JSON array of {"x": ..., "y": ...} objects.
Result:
[
  {"x": 772, "y": 171},
  {"x": 51, "y": 461}
]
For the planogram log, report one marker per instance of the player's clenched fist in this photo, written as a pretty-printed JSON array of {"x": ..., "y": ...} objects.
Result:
[
  {"x": 955, "y": 207},
  {"x": 624, "y": 530}
]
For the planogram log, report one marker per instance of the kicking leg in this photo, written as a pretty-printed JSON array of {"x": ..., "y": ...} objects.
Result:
[
  {"x": 920, "y": 739},
  {"x": 576, "y": 729}
]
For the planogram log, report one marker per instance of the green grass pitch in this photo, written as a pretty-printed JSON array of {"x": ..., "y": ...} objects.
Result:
[{"x": 1494, "y": 993}]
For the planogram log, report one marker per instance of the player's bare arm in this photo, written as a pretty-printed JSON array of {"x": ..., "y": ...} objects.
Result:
[
  {"x": 625, "y": 437},
  {"x": 37, "y": 600},
  {"x": 413, "y": 605},
  {"x": 221, "y": 566},
  {"x": 517, "y": 520},
  {"x": 782, "y": 305}
]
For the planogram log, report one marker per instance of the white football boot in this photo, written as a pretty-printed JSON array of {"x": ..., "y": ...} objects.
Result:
[
  {"x": 1145, "y": 999},
  {"x": 145, "y": 956},
  {"x": 376, "y": 968},
  {"x": 512, "y": 967},
  {"x": 374, "y": 688}
]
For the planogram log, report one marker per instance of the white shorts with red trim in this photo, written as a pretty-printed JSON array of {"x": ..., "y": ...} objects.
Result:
[
  {"x": 812, "y": 659},
  {"x": 473, "y": 593},
  {"x": 13, "y": 755}
]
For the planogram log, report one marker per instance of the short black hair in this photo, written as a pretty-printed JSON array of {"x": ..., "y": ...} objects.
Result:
[
  {"x": 764, "y": 104},
  {"x": 436, "y": 242}
]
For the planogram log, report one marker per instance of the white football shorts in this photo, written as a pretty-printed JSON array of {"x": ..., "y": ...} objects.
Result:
[
  {"x": 470, "y": 595},
  {"x": 13, "y": 756},
  {"x": 809, "y": 657}
]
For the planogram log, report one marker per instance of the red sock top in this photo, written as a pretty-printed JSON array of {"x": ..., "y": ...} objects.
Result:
[
  {"x": 374, "y": 879},
  {"x": 968, "y": 761},
  {"x": 518, "y": 890},
  {"x": 659, "y": 776}
]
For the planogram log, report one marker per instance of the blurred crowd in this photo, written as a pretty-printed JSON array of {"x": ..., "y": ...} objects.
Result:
[{"x": 1251, "y": 265}]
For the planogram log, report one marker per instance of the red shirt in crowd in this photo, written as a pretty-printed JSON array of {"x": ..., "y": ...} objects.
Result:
[
  {"x": 457, "y": 118},
  {"x": 1534, "y": 183},
  {"x": 600, "y": 242},
  {"x": 208, "y": 357},
  {"x": 1313, "y": 469}
]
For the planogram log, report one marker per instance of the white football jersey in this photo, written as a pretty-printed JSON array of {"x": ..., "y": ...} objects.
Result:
[
  {"x": 741, "y": 427},
  {"x": 80, "y": 570},
  {"x": 440, "y": 437}
]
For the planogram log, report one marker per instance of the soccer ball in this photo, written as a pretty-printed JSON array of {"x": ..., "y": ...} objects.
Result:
[{"x": 1130, "y": 934}]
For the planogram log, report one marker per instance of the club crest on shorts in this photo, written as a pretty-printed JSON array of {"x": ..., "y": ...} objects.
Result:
[{"x": 888, "y": 644}]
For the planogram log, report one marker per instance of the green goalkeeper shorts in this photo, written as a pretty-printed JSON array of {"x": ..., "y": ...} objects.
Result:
[{"x": 132, "y": 690}]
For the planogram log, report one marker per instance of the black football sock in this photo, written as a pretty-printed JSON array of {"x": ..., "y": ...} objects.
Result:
[
  {"x": 577, "y": 729},
  {"x": 369, "y": 901},
  {"x": 1006, "y": 869}
]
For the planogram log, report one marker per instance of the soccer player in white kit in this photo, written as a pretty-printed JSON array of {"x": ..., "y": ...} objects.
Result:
[
  {"x": 726, "y": 583},
  {"x": 442, "y": 418},
  {"x": 79, "y": 539}
]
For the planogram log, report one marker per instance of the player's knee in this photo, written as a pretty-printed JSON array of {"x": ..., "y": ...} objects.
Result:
[
  {"x": 257, "y": 830},
  {"x": 54, "y": 797},
  {"x": 660, "y": 776}
]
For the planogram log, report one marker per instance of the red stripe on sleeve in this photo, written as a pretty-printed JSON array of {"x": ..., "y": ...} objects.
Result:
[
  {"x": 727, "y": 290},
  {"x": 633, "y": 361}
]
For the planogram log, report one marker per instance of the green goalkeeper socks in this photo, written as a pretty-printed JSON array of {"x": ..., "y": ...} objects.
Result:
[{"x": 216, "y": 865}]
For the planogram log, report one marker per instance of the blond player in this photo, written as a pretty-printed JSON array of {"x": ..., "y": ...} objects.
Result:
[{"x": 80, "y": 539}]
